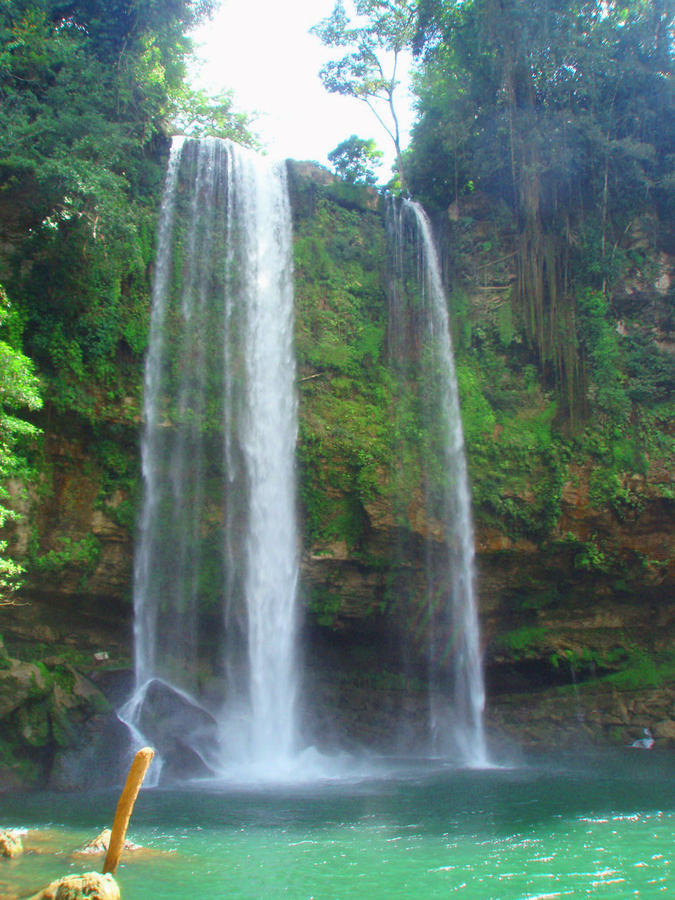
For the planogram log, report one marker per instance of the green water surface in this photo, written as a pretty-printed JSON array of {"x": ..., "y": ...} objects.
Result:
[{"x": 598, "y": 825}]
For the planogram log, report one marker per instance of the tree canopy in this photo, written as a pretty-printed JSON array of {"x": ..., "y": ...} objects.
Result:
[
  {"x": 563, "y": 113},
  {"x": 88, "y": 91},
  {"x": 19, "y": 389},
  {"x": 355, "y": 158},
  {"x": 376, "y": 34}
]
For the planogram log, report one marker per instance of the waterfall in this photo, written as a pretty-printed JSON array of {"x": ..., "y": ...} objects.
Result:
[
  {"x": 216, "y": 565},
  {"x": 422, "y": 358}
]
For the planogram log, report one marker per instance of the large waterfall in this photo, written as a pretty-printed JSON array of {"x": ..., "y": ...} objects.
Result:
[
  {"x": 216, "y": 565},
  {"x": 421, "y": 355}
]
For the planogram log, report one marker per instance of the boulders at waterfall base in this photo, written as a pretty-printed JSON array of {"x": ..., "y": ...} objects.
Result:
[
  {"x": 90, "y": 886},
  {"x": 10, "y": 844},
  {"x": 101, "y": 842}
]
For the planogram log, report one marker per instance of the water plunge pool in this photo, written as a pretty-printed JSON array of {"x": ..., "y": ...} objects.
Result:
[{"x": 590, "y": 825}]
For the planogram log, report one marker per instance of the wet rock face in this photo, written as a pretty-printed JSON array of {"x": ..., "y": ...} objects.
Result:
[
  {"x": 558, "y": 610},
  {"x": 97, "y": 759},
  {"x": 58, "y": 727},
  {"x": 599, "y": 715},
  {"x": 176, "y": 726},
  {"x": 580, "y": 629},
  {"x": 644, "y": 525},
  {"x": 83, "y": 546}
]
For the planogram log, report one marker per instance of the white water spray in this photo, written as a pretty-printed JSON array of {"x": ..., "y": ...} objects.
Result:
[{"x": 216, "y": 566}]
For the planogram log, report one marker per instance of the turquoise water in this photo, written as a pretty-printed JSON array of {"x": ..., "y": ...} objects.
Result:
[{"x": 592, "y": 826}]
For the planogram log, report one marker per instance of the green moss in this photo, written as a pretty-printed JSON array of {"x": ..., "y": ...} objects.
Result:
[
  {"x": 344, "y": 439},
  {"x": 325, "y": 604},
  {"x": 82, "y": 555},
  {"x": 34, "y": 724},
  {"x": 26, "y": 768},
  {"x": 644, "y": 670},
  {"x": 522, "y": 641},
  {"x": 64, "y": 732}
]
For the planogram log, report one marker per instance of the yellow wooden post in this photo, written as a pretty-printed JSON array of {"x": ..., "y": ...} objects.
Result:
[{"x": 125, "y": 806}]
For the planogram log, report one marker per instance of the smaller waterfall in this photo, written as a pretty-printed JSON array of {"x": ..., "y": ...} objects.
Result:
[
  {"x": 421, "y": 353},
  {"x": 216, "y": 565}
]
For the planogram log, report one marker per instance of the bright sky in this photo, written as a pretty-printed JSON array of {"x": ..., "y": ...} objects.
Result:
[{"x": 261, "y": 50}]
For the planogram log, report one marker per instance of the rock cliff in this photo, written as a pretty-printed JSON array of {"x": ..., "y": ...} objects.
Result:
[{"x": 575, "y": 546}]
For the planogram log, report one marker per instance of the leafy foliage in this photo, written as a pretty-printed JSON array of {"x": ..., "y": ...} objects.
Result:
[
  {"x": 344, "y": 438},
  {"x": 563, "y": 114},
  {"x": 354, "y": 159},
  {"x": 196, "y": 115},
  {"x": 19, "y": 388},
  {"x": 376, "y": 34},
  {"x": 87, "y": 89}
]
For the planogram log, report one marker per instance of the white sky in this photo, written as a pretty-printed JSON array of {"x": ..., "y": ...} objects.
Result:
[{"x": 261, "y": 50}]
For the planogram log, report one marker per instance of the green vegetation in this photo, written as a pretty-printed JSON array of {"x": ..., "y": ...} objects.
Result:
[
  {"x": 354, "y": 160},
  {"x": 19, "y": 388},
  {"x": 343, "y": 444},
  {"x": 375, "y": 35},
  {"x": 562, "y": 115},
  {"x": 522, "y": 640},
  {"x": 644, "y": 670},
  {"x": 363, "y": 429},
  {"x": 541, "y": 131},
  {"x": 88, "y": 90},
  {"x": 81, "y": 555}
]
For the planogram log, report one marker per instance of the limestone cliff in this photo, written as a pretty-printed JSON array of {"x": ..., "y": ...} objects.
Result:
[{"x": 574, "y": 530}]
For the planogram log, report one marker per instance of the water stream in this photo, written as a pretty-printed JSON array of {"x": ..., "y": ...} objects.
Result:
[
  {"x": 420, "y": 331},
  {"x": 216, "y": 564}
]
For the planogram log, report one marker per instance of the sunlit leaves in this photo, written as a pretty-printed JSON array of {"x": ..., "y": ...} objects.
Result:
[
  {"x": 197, "y": 114},
  {"x": 354, "y": 160},
  {"x": 19, "y": 388},
  {"x": 375, "y": 33}
]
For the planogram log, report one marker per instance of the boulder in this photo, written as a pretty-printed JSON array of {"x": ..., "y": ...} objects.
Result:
[
  {"x": 178, "y": 727},
  {"x": 20, "y": 682},
  {"x": 10, "y": 844},
  {"x": 96, "y": 760},
  {"x": 665, "y": 730},
  {"x": 101, "y": 842},
  {"x": 90, "y": 886}
]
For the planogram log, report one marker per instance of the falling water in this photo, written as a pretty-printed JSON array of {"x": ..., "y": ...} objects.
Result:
[
  {"x": 419, "y": 328},
  {"x": 216, "y": 563}
]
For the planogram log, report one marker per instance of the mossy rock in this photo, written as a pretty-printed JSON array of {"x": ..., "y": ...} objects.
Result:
[{"x": 34, "y": 724}]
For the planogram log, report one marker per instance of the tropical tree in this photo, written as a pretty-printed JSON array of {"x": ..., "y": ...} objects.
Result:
[
  {"x": 88, "y": 89},
  {"x": 376, "y": 34},
  {"x": 198, "y": 114},
  {"x": 563, "y": 113},
  {"x": 354, "y": 159}
]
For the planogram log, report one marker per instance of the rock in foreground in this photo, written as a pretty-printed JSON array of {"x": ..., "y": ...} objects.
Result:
[
  {"x": 10, "y": 844},
  {"x": 101, "y": 842},
  {"x": 90, "y": 886}
]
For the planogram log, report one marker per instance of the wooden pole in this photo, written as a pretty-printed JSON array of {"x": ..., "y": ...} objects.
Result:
[{"x": 125, "y": 806}]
